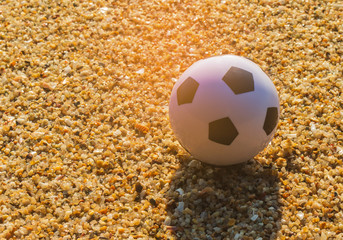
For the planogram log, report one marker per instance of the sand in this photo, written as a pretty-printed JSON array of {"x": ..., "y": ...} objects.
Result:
[{"x": 86, "y": 148}]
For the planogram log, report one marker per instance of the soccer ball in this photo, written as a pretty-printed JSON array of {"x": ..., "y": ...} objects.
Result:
[{"x": 224, "y": 110}]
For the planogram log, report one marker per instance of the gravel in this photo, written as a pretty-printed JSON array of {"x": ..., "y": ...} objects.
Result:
[{"x": 86, "y": 149}]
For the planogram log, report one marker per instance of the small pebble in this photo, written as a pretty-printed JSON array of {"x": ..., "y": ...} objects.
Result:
[
  {"x": 254, "y": 217},
  {"x": 180, "y": 191},
  {"x": 300, "y": 215},
  {"x": 180, "y": 207}
]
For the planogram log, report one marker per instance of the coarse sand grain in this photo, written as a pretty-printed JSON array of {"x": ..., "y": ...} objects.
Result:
[{"x": 86, "y": 148}]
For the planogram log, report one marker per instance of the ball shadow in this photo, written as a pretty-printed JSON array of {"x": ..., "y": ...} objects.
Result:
[{"x": 235, "y": 202}]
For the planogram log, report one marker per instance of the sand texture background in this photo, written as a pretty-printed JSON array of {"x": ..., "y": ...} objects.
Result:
[{"x": 86, "y": 148}]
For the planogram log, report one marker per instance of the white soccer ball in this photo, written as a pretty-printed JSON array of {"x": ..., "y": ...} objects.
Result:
[{"x": 224, "y": 110}]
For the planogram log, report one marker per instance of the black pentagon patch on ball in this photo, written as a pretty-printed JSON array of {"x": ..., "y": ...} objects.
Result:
[
  {"x": 239, "y": 80},
  {"x": 270, "y": 120},
  {"x": 186, "y": 91},
  {"x": 222, "y": 131}
]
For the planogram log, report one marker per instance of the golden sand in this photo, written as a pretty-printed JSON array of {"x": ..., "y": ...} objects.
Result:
[{"x": 86, "y": 149}]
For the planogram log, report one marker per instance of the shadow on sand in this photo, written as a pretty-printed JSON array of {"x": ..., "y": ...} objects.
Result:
[{"x": 235, "y": 202}]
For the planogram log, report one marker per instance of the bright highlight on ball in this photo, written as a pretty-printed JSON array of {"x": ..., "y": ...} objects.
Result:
[{"x": 224, "y": 110}]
